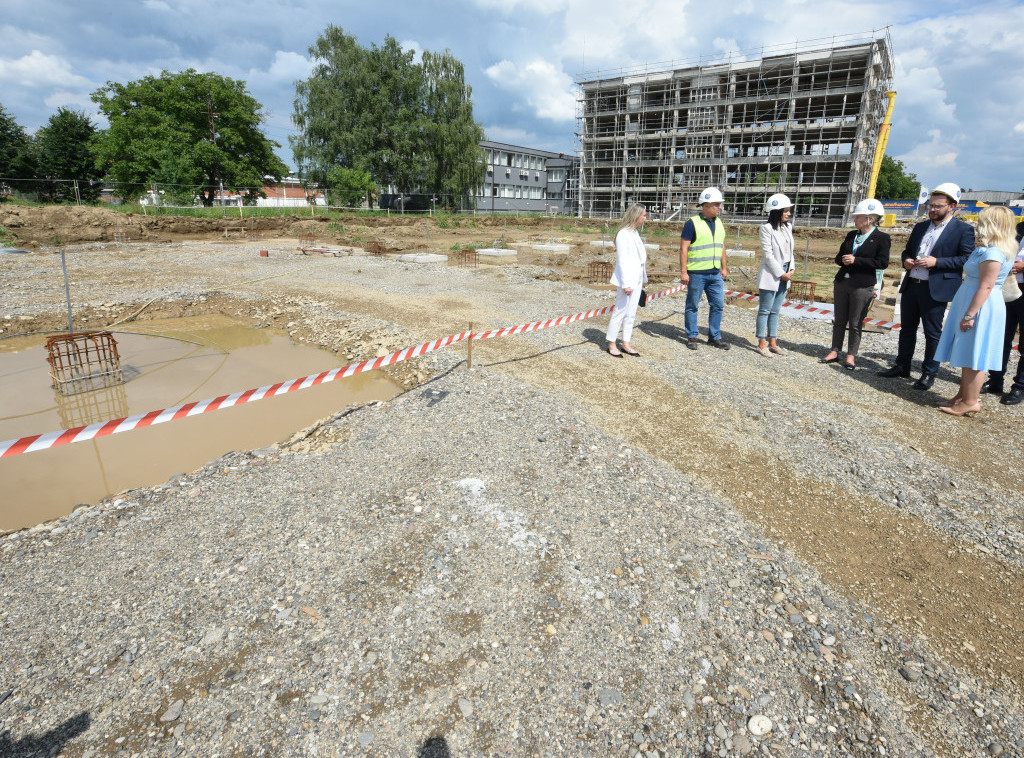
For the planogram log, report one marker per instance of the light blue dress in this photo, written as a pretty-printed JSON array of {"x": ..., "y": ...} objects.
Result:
[{"x": 980, "y": 348}]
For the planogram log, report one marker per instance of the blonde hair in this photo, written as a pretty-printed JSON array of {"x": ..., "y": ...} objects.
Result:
[
  {"x": 632, "y": 218},
  {"x": 995, "y": 229}
]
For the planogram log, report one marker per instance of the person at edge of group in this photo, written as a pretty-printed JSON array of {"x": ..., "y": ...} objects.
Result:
[
  {"x": 864, "y": 252},
  {"x": 934, "y": 260},
  {"x": 703, "y": 267},
  {"x": 973, "y": 336},
  {"x": 629, "y": 276},
  {"x": 1014, "y": 322},
  {"x": 775, "y": 272}
]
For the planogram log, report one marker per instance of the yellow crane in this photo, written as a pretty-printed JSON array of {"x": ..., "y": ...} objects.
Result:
[{"x": 883, "y": 140}]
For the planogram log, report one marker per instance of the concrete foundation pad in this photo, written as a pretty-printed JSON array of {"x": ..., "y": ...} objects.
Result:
[
  {"x": 422, "y": 258},
  {"x": 558, "y": 248},
  {"x": 601, "y": 243},
  {"x": 739, "y": 253},
  {"x": 498, "y": 253},
  {"x": 649, "y": 246}
]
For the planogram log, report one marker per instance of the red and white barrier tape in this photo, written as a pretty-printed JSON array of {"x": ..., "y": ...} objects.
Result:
[
  {"x": 812, "y": 309},
  {"x": 80, "y": 434}
]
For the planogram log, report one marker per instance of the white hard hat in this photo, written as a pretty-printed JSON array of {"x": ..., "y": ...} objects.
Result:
[
  {"x": 869, "y": 207},
  {"x": 777, "y": 202},
  {"x": 710, "y": 195},
  {"x": 948, "y": 189}
]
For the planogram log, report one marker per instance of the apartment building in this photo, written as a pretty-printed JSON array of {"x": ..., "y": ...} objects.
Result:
[
  {"x": 525, "y": 180},
  {"x": 801, "y": 119}
]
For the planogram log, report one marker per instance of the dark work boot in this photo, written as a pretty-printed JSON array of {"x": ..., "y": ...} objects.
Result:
[
  {"x": 896, "y": 370},
  {"x": 925, "y": 382},
  {"x": 992, "y": 387}
]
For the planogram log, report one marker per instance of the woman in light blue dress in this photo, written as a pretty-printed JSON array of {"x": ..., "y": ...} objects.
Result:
[{"x": 972, "y": 338}]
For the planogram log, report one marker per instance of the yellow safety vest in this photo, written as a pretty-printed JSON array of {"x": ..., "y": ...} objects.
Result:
[{"x": 706, "y": 251}]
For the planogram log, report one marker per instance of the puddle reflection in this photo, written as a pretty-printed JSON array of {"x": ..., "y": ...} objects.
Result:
[{"x": 210, "y": 356}]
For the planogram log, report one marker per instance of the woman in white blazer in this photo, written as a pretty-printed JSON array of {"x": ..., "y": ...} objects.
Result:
[
  {"x": 629, "y": 276},
  {"x": 775, "y": 273}
]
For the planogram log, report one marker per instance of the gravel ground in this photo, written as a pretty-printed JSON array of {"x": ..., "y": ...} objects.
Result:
[{"x": 551, "y": 553}]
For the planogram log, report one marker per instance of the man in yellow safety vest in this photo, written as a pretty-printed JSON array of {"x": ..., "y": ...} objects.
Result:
[{"x": 703, "y": 268}]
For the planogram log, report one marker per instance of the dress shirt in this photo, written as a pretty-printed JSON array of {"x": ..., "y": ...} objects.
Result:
[{"x": 927, "y": 242}]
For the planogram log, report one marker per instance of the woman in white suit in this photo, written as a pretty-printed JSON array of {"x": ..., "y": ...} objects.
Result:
[
  {"x": 775, "y": 273},
  {"x": 629, "y": 276}
]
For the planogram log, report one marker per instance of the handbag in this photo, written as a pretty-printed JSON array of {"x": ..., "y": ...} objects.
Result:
[
  {"x": 643, "y": 297},
  {"x": 1011, "y": 290}
]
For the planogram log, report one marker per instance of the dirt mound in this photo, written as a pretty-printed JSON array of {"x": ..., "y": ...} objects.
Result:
[{"x": 50, "y": 226}]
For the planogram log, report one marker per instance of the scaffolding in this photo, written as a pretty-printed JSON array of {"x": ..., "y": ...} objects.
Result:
[{"x": 801, "y": 119}]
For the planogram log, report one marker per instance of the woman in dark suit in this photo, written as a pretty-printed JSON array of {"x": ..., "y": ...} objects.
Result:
[{"x": 864, "y": 252}]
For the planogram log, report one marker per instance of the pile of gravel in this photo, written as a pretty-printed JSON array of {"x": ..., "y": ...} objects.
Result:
[{"x": 471, "y": 563}]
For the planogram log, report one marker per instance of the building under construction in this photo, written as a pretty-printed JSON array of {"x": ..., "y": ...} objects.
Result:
[{"x": 801, "y": 119}]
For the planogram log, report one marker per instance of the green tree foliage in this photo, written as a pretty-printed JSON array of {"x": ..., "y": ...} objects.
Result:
[
  {"x": 65, "y": 152},
  {"x": 184, "y": 128},
  {"x": 332, "y": 108},
  {"x": 349, "y": 186},
  {"x": 374, "y": 109},
  {"x": 455, "y": 163},
  {"x": 17, "y": 154},
  {"x": 894, "y": 183}
]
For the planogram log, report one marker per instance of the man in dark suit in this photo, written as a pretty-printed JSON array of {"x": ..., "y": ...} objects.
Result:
[{"x": 934, "y": 261}]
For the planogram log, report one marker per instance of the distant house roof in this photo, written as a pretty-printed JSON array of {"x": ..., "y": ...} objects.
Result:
[{"x": 992, "y": 197}]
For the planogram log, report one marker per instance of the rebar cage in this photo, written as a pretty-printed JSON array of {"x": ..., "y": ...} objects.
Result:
[{"x": 83, "y": 361}]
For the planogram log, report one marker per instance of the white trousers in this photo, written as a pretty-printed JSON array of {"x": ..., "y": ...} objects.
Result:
[{"x": 624, "y": 314}]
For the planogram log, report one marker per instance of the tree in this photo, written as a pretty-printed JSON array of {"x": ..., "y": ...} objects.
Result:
[
  {"x": 360, "y": 109},
  {"x": 894, "y": 183},
  {"x": 64, "y": 150},
  {"x": 17, "y": 160},
  {"x": 396, "y": 152},
  {"x": 455, "y": 163},
  {"x": 186, "y": 128},
  {"x": 328, "y": 111},
  {"x": 375, "y": 110},
  {"x": 350, "y": 186}
]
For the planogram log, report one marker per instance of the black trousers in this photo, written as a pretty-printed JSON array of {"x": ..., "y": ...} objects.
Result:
[
  {"x": 1014, "y": 321},
  {"x": 918, "y": 308}
]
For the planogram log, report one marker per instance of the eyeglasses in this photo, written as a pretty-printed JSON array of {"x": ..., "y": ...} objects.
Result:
[{"x": 934, "y": 207}]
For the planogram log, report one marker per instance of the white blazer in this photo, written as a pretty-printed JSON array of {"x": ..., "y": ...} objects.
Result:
[
  {"x": 630, "y": 260},
  {"x": 776, "y": 251}
]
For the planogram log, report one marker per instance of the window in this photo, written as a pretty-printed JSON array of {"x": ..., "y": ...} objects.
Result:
[{"x": 556, "y": 175}]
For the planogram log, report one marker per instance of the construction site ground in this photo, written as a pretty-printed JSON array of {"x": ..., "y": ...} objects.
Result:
[{"x": 936, "y": 557}]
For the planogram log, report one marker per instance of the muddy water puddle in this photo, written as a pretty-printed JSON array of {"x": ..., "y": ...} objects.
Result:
[{"x": 165, "y": 363}]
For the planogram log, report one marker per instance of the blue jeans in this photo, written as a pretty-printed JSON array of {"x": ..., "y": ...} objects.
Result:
[
  {"x": 769, "y": 303},
  {"x": 701, "y": 282}
]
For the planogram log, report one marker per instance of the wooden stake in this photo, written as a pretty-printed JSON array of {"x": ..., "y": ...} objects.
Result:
[{"x": 469, "y": 358}]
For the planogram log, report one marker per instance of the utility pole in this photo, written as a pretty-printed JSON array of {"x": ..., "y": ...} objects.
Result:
[{"x": 211, "y": 115}]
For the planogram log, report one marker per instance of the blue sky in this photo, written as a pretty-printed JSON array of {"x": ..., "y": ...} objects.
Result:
[{"x": 959, "y": 68}]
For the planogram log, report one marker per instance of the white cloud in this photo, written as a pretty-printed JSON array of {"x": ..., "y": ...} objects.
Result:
[
  {"x": 514, "y": 7},
  {"x": 285, "y": 67},
  {"x": 924, "y": 90},
  {"x": 939, "y": 152},
  {"x": 1019, "y": 128},
  {"x": 157, "y": 5},
  {"x": 548, "y": 90},
  {"x": 416, "y": 47},
  {"x": 38, "y": 70},
  {"x": 16, "y": 39},
  {"x": 78, "y": 101},
  {"x": 510, "y": 135}
]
